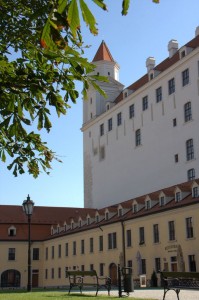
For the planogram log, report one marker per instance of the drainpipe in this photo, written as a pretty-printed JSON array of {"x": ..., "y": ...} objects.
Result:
[{"x": 123, "y": 243}]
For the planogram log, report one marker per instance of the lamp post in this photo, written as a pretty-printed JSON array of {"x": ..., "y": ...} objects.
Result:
[{"x": 28, "y": 209}]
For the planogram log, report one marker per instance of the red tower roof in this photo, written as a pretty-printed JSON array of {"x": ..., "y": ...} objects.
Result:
[{"x": 103, "y": 53}]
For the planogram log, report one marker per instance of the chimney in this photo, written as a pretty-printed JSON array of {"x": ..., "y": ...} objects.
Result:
[
  {"x": 150, "y": 63},
  {"x": 172, "y": 47},
  {"x": 197, "y": 31}
]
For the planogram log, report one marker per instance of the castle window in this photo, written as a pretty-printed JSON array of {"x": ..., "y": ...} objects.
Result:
[
  {"x": 35, "y": 254},
  {"x": 171, "y": 225},
  {"x": 183, "y": 54},
  {"x": 162, "y": 201},
  {"x": 195, "y": 193},
  {"x": 159, "y": 94},
  {"x": 119, "y": 119},
  {"x": 91, "y": 100},
  {"x": 189, "y": 227},
  {"x": 190, "y": 174},
  {"x": 171, "y": 86},
  {"x": 135, "y": 208},
  {"x": 148, "y": 204},
  {"x": 187, "y": 112},
  {"x": 176, "y": 158},
  {"x": 185, "y": 77},
  {"x": 138, "y": 137},
  {"x": 112, "y": 240},
  {"x": 174, "y": 122},
  {"x": 189, "y": 149},
  {"x": 101, "y": 129},
  {"x": 128, "y": 238},
  {"x": 120, "y": 212},
  {"x": 74, "y": 248},
  {"x": 141, "y": 235},
  {"x": 178, "y": 196},
  {"x": 82, "y": 247},
  {"x": 106, "y": 215},
  {"x": 155, "y": 233},
  {"x": 12, "y": 231},
  {"x": 110, "y": 124},
  {"x": 145, "y": 103},
  {"x": 131, "y": 111},
  {"x": 11, "y": 254}
]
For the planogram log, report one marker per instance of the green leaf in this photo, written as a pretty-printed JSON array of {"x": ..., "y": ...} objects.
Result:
[
  {"x": 73, "y": 17},
  {"x": 88, "y": 17},
  {"x": 3, "y": 156},
  {"x": 125, "y": 7},
  {"x": 101, "y": 4}
]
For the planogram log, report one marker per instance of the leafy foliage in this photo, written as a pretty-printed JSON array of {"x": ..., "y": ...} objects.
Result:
[{"x": 41, "y": 59}]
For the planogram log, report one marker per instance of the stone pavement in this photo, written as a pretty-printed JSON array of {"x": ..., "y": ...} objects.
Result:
[{"x": 157, "y": 294}]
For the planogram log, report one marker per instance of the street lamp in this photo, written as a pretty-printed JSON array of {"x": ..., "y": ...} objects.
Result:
[{"x": 28, "y": 209}]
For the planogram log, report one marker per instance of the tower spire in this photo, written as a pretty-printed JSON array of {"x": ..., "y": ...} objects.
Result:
[{"x": 103, "y": 53}]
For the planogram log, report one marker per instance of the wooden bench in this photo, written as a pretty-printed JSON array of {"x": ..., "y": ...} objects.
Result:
[
  {"x": 179, "y": 280},
  {"x": 80, "y": 279}
]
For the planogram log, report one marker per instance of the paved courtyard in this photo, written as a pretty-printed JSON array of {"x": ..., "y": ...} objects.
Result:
[{"x": 158, "y": 294}]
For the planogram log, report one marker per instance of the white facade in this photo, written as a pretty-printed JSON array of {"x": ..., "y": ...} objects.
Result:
[{"x": 167, "y": 150}]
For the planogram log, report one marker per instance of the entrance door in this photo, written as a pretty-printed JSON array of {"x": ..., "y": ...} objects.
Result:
[
  {"x": 113, "y": 273},
  {"x": 35, "y": 278}
]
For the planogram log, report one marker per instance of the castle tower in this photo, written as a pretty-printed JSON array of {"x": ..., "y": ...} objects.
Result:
[
  {"x": 105, "y": 66},
  {"x": 93, "y": 108}
]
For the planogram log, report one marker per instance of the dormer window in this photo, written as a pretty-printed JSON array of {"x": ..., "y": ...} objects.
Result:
[
  {"x": 106, "y": 215},
  {"x": 80, "y": 223},
  {"x": 120, "y": 212},
  {"x": 162, "y": 201},
  {"x": 88, "y": 221},
  {"x": 177, "y": 196},
  {"x": 72, "y": 225},
  {"x": 12, "y": 231},
  {"x": 135, "y": 208},
  {"x": 183, "y": 53},
  {"x": 148, "y": 204},
  {"x": 195, "y": 192},
  {"x": 151, "y": 76},
  {"x": 97, "y": 218}
]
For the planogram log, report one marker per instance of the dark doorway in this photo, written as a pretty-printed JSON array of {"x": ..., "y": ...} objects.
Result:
[
  {"x": 113, "y": 273},
  {"x": 10, "y": 278}
]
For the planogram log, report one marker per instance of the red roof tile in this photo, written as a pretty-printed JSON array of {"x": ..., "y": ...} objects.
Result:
[{"x": 103, "y": 53}]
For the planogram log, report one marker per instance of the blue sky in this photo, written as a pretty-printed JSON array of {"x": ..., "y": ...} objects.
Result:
[{"x": 144, "y": 32}]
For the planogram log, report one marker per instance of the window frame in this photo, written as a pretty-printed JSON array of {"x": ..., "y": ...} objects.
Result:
[
  {"x": 128, "y": 238},
  {"x": 189, "y": 149},
  {"x": 171, "y": 86},
  {"x": 156, "y": 236},
  {"x": 132, "y": 111},
  {"x": 159, "y": 94},
  {"x": 119, "y": 119},
  {"x": 191, "y": 174},
  {"x": 145, "y": 103},
  {"x": 110, "y": 124},
  {"x": 171, "y": 229},
  {"x": 187, "y": 112},
  {"x": 185, "y": 77},
  {"x": 138, "y": 137},
  {"x": 189, "y": 228}
]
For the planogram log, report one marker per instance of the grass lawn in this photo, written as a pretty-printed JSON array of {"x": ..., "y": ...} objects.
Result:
[{"x": 53, "y": 295}]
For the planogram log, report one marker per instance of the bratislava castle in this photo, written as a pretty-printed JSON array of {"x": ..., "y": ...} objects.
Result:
[{"x": 144, "y": 137}]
